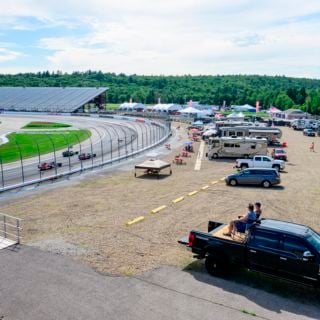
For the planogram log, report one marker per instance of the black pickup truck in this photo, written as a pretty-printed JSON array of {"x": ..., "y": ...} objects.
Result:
[{"x": 281, "y": 249}]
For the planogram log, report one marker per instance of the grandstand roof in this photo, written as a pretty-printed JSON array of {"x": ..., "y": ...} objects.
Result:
[{"x": 45, "y": 99}]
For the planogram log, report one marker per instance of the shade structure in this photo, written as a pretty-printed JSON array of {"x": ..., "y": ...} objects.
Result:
[
  {"x": 191, "y": 111},
  {"x": 153, "y": 164},
  {"x": 131, "y": 106}
]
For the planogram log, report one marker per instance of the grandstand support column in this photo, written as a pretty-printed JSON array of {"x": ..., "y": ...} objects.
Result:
[
  {"x": 101, "y": 143},
  {"x": 54, "y": 154},
  {"x": 21, "y": 160},
  {"x": 80, "y": 149},
  {"x": 2, "y": 177}
]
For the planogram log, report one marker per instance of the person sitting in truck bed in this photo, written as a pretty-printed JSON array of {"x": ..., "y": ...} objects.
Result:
[{"x": 242, "y": 223}]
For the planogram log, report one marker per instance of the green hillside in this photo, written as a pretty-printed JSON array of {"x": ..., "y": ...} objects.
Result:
[{"x": 283, "y": 92}]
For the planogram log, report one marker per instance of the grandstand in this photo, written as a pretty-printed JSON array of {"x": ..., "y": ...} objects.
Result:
[{"x": 49, "y": 99}]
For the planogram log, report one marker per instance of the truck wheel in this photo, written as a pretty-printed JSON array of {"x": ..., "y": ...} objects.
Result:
[
  {"x": 244, "y": 166},
  {"x": 233, "y": 182},
  {"x": 276, "y": 167},
  {"x": 266, "y": 184},
  {"x": 216, "y": 265},
  {"x": 215, "y": 156}
]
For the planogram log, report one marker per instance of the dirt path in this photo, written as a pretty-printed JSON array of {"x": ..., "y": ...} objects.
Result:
[{"x": 90, "y": 216}]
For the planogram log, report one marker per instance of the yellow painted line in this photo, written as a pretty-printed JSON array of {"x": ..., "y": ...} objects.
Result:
[
  {"x": 177, "y": 200},
  {"x": 136, "y": 220},
  {"x": 158, "y": 209},
  {"x": 205, "y": 188},
  {"x": 222, "y": 179},
  {"x": 214, "y": 182},
  {"x": 192, "y": 193}
]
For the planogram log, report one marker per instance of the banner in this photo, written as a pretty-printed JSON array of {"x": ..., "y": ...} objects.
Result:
[{"x": 257, "y": 106}]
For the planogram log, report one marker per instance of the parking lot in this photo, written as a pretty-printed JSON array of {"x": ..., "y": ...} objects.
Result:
[{"x": 87, "y": 219}]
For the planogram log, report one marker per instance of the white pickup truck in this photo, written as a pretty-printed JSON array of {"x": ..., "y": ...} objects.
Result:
[{"x": 260, "y": 162}]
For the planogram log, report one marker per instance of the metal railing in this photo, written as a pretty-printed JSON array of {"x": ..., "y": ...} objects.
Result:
[{"x": 10, "y": 228}]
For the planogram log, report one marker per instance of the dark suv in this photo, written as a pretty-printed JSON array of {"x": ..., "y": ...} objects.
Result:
[{"x": 255, "y": 176}]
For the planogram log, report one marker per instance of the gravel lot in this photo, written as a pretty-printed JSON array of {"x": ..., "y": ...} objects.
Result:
[{"x": 87, "y": 219}]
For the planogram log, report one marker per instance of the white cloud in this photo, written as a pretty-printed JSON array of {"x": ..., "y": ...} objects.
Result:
[
  {"x": 7, "y": 55},
  {"x": 178, "y": 36}
]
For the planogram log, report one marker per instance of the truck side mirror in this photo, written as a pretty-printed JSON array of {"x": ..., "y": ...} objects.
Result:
[{"x": 307, "y": 256}]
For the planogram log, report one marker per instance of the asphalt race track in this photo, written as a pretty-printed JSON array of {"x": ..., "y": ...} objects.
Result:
[{"x": 111, "y": 139}]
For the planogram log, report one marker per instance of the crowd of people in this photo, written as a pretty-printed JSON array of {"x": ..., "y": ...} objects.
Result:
[{"x": 246, "y": 221}]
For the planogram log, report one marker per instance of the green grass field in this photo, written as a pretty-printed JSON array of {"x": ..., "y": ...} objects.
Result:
[
  {"x": 45, "y": 125},
  {"x": 29, "y": 143}
]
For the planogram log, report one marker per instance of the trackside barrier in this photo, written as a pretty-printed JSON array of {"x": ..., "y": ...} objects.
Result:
[{"x": 93, "y": 166}]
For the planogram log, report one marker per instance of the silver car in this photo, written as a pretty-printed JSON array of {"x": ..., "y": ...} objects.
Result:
[{"x": 254, "y": 176}]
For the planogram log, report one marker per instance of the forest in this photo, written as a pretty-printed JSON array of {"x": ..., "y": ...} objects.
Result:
[{"x": 280, "y": 91}]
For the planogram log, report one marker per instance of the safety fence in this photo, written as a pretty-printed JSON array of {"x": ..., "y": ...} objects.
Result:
[{"x": 115, "y": 142}]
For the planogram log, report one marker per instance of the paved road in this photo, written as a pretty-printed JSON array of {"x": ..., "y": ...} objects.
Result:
[
  {"x": 110, "y": 138},
  {"x": 38, "y": 285}
]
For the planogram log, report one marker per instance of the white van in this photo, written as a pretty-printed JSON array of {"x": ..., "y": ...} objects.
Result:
[{"x": 236, "y": 147}]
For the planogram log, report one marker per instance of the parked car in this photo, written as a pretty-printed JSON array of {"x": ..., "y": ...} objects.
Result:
[
  {"x": 49, "y": 165},
  {"x": 86, "y": 156},
  {"x": 260, "y": 161},
  {"x": 280, "y": 154},
  {"x": 254, "y": 176},
  {"x": 69, "y": 153},
  {"x": 278, "y": 248},
  {"x": 309, "y": 132}
]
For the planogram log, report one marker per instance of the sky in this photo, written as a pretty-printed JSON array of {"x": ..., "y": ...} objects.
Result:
[{"x": 167, "y": 37}]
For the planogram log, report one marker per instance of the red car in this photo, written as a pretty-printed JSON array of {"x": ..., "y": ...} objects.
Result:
[
  {"x": 86, "y": 156},
  {"x": 48, "y": 165},
  {"x": 279, "y": 154}
]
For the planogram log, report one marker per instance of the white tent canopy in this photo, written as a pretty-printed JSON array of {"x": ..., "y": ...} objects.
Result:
[
  {"x": 131, "y": 106},
  {"x": 191, "y": 111},
  {"x": 236, "y": 116},
  {"x": 163, "y": 107},
  {"x": 245, "y": 107}
]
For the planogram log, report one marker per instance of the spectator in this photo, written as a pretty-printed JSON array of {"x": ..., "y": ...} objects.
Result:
[{"x": 242, "y": 223}]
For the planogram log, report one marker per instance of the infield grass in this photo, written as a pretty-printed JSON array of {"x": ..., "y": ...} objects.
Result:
[
  {"x": 45, "y": 125},
  {"x": 31, "y": 143}
]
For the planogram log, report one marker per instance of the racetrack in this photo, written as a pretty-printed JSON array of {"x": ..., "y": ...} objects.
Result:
[{"x": 111, "y": 140}]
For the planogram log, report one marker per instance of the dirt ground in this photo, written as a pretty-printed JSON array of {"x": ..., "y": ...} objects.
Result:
[{"x": 91, "y": 214}]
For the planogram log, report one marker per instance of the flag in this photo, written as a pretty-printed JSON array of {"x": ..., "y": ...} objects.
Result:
[
  {"x": 257, "y": 106},
  {"x": 190, "y": 103},
  {"x": 130, "y": 100}
]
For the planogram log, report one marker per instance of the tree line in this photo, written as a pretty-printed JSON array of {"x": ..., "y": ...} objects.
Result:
[{"x": 280, "y": 91}]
